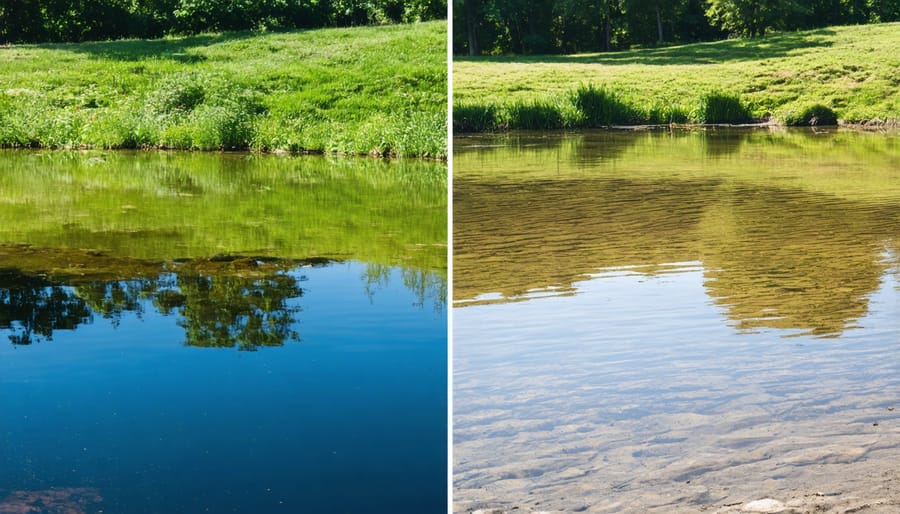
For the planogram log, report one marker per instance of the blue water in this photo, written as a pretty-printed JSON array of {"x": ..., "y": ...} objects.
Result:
[{"x": 348, "y": 417}]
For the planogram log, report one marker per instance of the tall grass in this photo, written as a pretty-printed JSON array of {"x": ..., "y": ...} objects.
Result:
[
  {"x": 475, "y": 118},
  {"x": 535, "y": 115},
  {"x": 591, "y": 106},
  {"x": 719, "y": 107},
  {"x": 600, "y": 107}
]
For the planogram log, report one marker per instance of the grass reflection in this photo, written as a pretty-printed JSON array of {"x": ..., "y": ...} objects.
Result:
[
  {"x": 165, "y": 206},
  {"x": 791, "y": 228}
]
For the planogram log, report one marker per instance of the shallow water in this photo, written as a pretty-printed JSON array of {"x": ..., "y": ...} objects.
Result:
[
  {"x": 268, "y": 336},
  {"x": 674, "y": 322}
]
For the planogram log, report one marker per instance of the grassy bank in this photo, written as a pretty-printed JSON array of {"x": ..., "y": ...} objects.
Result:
[
  {"x": 366, "y": 90},
  {"x": 846, "y": 74}
]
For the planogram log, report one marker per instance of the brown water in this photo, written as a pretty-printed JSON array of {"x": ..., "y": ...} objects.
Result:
[{"x": 676, "y": 322}]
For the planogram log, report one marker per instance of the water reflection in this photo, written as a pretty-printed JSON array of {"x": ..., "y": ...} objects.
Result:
[
  {"x": 101, "y": 395},
  {"x": 216, "y": 310},
  {"x": 225, "y": 302},
  {"x": 135, "y": 288},
  {"x": 32, "y": 308},
  {"x": 787, "y": 239},
  {"x": 624, "y": 299},
  {"x": 167, "y": 206}
]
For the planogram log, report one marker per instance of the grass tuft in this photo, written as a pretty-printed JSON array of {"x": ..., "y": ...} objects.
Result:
[
  {"x": 600, "y": 107},
  {"x": 474, "y": 118},
  {"x": 534, "y": 115},
  {"x": 718, "y": 107},
  {"x": 810, "y": 115}
]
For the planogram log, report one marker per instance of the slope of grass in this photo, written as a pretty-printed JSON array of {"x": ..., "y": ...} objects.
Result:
[
  {"x": 366, "y": 90},
  {"x": 791, "y": 78}
]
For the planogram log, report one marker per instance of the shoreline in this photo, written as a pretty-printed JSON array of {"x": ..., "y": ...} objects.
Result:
[
  {"x": 275, "y": 152},
  {"x": 863, "y": 126}
]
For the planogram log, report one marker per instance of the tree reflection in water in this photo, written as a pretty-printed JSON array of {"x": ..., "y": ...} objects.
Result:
[
  {"x": 32, "y": 308},
  {"x": 222, "y": 302},
  {"x": 243, "y": 309},
  {"x": 227, "y": 311}
]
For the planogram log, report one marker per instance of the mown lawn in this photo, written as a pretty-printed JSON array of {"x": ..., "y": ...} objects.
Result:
[
  {"x": 365, "y": 90},
  {"x": 853, "y": 71}
]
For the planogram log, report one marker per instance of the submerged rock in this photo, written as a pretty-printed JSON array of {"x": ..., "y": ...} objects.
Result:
[{"x": 66, "y": 500}]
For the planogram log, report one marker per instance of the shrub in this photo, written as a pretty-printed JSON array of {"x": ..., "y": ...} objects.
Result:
[
  {"x": 176, "y": 93},
  {"x": 221, "y": 127}
]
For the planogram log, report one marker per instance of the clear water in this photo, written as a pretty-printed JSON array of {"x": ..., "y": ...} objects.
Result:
[
  {"x": 254, "y": 374},
  {"x": 675, "y": 322}
]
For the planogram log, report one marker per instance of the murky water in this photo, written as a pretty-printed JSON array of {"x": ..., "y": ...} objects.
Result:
[
  {"x": 676, "y": 322},
  {"x": 221, "y": 333}
]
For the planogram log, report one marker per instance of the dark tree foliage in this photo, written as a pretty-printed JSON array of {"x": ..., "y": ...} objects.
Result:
[
  {"x": 570, "y": 26},
  {"x": 31, "y": 308},
  {"x": 29, "y": 21}
]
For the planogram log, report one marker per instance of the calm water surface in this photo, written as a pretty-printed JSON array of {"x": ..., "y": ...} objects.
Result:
[
  {"x": 221, "y": 333},
  {"x": 675, "y": 322}
]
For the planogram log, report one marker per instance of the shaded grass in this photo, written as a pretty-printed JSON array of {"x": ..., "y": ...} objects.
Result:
[
  {"x": 852, "y": 71},
  {"x": 366, "y": 90}
]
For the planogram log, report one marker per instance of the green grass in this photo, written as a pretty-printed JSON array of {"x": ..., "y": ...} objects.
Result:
[
  {"x": 853, "y": 72},
  {"x": 600, "y": 107},
  {"x": 809, "y": 115},
  {"x": 365, "y": 90}
]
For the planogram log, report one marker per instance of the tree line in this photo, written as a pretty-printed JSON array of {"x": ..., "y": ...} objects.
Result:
[
  {"x": 30, "y": 21},
  {"x": 571, "y": 26}
]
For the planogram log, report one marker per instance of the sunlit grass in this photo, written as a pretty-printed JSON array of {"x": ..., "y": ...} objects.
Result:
[
  {"x": 854, "y": 71},
  {"x": 366, "y": 90}
]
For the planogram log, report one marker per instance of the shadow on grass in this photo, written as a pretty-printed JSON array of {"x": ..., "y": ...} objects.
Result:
[
  {"x": 698, "y": 53},
  {"x": 178, "y": 49}
]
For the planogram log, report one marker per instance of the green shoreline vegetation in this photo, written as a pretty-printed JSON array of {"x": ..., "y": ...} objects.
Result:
[
  {"x": 376, "y": 90},
  {"x": 846, "y": 75}
]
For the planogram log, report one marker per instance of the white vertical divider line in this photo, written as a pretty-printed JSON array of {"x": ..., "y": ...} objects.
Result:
[{"x": 449, "y": 256}]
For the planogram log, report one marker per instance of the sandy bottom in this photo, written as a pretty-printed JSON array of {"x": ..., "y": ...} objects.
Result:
[
  {"x": 849, "y": 462},
  {"x": 708, "y": 421}
]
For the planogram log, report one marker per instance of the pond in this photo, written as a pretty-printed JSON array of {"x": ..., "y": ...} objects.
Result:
[
  {"x": 222, "y": 333},
  {"x": 676, "y": 321}
]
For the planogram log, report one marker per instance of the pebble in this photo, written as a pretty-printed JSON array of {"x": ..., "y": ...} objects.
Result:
[{"x": 764, "y": 505}]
